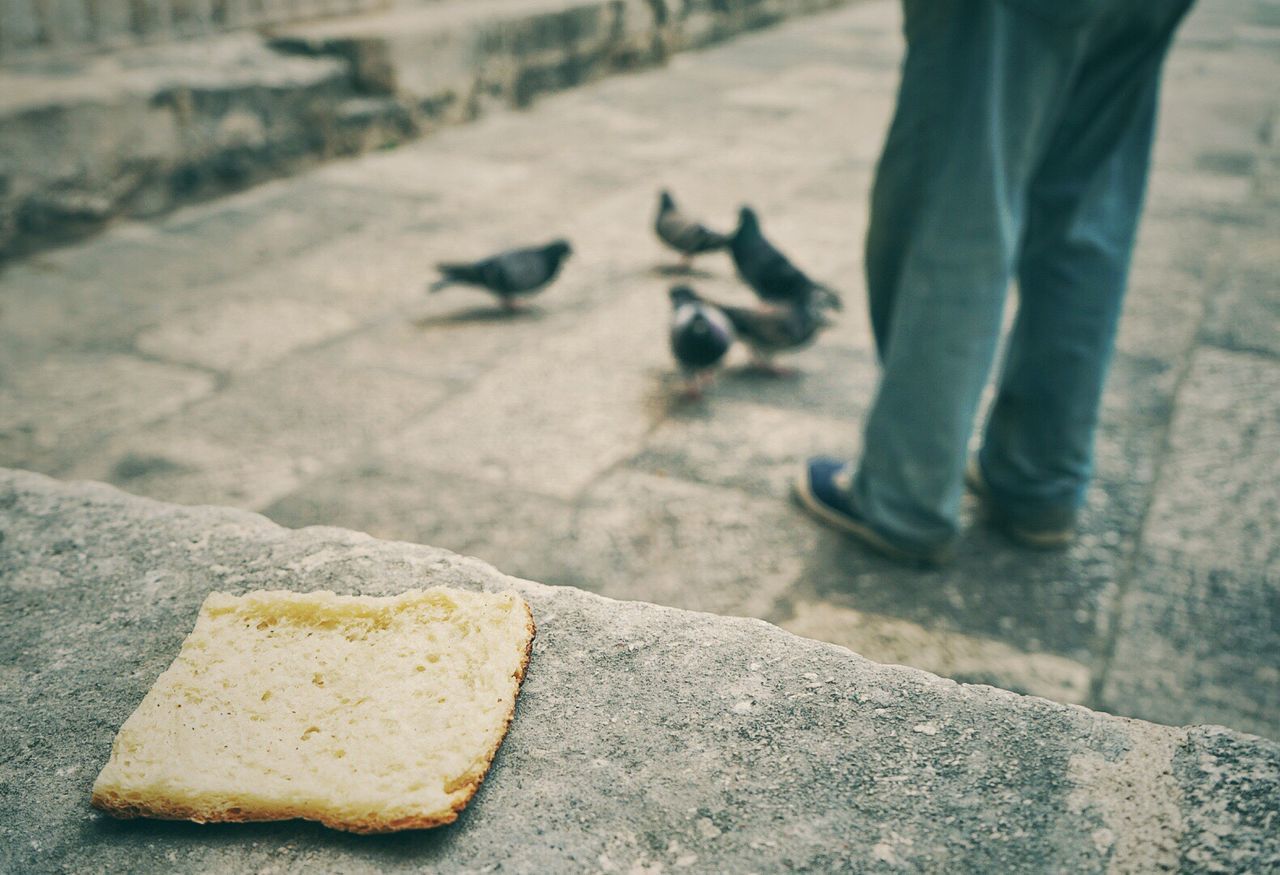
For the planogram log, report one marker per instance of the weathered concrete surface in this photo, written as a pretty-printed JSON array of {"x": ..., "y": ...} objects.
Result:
[
  {"x": 275, "y": 351},
  {"x": 1210, "y": 566},
  {"x": 646, "y": 739}
]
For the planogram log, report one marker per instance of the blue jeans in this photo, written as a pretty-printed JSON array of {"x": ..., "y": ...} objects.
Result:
[{"x": 1019, "y": 150}]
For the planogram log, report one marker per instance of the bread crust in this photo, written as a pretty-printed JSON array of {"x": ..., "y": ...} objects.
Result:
[{"x": 113, "y": 804}]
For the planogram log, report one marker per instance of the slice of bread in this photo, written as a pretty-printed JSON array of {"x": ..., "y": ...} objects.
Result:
[{"x": 366, "y": 714}]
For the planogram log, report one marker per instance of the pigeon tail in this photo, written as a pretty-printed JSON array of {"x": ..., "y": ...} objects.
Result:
[
  {"x": 456, "y": 273},
  {"x": 682, "y": 294}
]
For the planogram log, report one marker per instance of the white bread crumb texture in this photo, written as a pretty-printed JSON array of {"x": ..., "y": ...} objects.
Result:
[{"x": 365, "y": 713}]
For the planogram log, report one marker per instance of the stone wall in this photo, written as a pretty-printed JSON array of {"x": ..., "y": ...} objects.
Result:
[
  {"x": 43, "y": 28},
  {"x": 136, "y": 132}
]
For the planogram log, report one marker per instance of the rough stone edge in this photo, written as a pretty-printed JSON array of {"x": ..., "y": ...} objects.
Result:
[{"x": 487, "y": 576}]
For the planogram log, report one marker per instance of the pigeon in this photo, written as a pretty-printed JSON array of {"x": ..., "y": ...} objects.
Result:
[
  {"x": 767, "y": 332},
  {"x": 510, "y": 274},
  {"x": 770, "y": 273},
  {"x": 701, "y": 334},
  {"x": 682, "y": 233}
]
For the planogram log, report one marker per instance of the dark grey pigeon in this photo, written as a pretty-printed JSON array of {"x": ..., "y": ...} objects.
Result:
[
  {"x": 683, "y": 234},
  {"x": 768, "y": 332},
  {"x": 701, "y": 334},
  {"x": 509, "y": 275},
  {"x": 770, "y": 273}
]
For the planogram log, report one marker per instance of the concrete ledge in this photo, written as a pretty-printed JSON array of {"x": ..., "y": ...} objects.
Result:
[
  {"x": 646, "y": 739},
  {"x": 457, "y": 54},
  {"x": 34, "y": 29},
  {"x": 137, "y": 132}
]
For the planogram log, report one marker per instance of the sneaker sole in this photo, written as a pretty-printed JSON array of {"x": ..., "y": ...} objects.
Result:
[{"x": 804, "y": 495}]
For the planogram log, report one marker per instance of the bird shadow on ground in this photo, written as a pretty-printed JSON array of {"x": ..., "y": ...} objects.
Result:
[
  {"x": 682, "y": 404},
  {"x": 669, "y": 397},
  {"x": 753, "y": 373},
  {"x": 480, "y": 315},
  {"x": 680, "y": 271}
]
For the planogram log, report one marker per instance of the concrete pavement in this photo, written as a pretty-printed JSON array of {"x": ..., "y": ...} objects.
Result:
[{"x": 275, "y": 351}]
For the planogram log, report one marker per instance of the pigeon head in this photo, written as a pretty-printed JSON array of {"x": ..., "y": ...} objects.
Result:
[
  {"x": 558, "y": 250},
  {"x": 699, "y": 325},
  {"x": 665, "y": 201},
  {"x": 747, "y": 222},
  {"x": 682, "y": 295}
]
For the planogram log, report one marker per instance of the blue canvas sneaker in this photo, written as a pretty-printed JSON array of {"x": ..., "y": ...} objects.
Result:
[{"x": 822, "y": 488}]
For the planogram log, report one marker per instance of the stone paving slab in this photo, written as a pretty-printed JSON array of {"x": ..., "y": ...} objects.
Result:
[
  {"x": 266, "y": 224},
  {"x": 80, "y": 397},
  {"x": 241, "y": 335},
  {"x": 1165, "y": 303},
  {"x": 645, "y": 739},
  {"x": 1225, "y": 436},
  {"x": 576, "y": 418},
  {"x": 688, "y": 545},
  {"x": 952, "y": 654},
  {"x": 263, "y": 435},
  {"x": 747, "y": 445},
  {"x": 1038, "y": 606},
  {"x": 1209, "y": 565},
  {"x": 1197, "y": 640},
  {"x": 137, "y": 277},
  {"x": 1245, "y": 313},
  {"x": 531, "y": 536}
]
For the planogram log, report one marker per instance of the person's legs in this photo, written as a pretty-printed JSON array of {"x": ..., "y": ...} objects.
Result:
[
  {"x": 982, "y": 88},
  {"x": 1083, "y": 208},
  {"x": 897, "y": 193}
]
